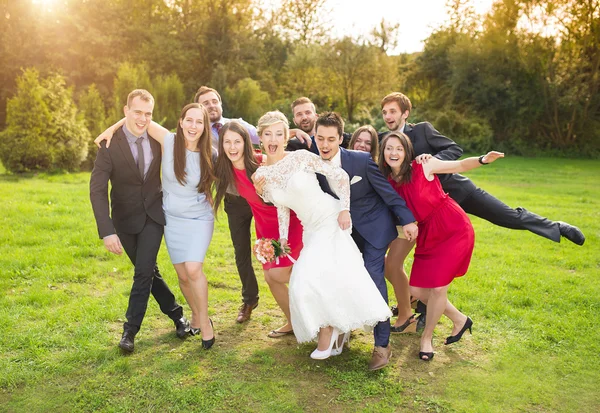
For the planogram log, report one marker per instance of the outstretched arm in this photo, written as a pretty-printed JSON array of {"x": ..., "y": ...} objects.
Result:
[
  {"x": 436, "y": 166},
  {"x": 155, "y": 131}
]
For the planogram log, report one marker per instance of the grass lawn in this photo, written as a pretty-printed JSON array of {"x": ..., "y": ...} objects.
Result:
[{"x": 535, "y": 306}]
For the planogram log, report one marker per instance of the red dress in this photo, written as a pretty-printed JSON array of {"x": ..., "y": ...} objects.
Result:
[
  {"x": 265, "y": 220},
  {"x": 446, "y": 237}
]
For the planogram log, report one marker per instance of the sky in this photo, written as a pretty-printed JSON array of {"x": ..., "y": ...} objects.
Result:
[{"x": 418, "y": 18}]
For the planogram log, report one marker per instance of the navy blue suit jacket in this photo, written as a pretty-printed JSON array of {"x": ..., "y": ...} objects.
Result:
[{"x": 374, "y": 204}]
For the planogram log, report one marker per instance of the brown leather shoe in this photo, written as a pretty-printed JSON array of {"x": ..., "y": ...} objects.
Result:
[
  {"x": 245, "y": 312},
  {"x": 381, "y": 357}
]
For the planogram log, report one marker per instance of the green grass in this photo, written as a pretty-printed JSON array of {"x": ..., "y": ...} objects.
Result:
[{"x": 535, "y": 306}]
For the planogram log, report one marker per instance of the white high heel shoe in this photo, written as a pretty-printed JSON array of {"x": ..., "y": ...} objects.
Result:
[
  {"x": 323, "y": 354},
  {"x": 338, "y": 348}
]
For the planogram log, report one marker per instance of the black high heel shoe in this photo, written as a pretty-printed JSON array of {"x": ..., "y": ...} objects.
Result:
[
  {"x": 194, "y": 331},
  {"x": 454, "y": 339},
  {"x": 424, "y": 353},
  {"x": 206, "y": 344},
  {"x": 428, "y": 354}
]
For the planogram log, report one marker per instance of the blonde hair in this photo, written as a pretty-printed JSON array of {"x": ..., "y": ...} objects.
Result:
[{"x": 273, "y": 118}]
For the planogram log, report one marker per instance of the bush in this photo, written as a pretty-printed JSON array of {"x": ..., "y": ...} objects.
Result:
[
  {"x": 470, "y": 133},
  {"x": 43, "y": 132},
  {"x": 93, "y": 115}
]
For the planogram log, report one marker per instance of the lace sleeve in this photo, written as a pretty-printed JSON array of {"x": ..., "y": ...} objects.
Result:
[
  {"x": 283, "y": 218},
  {"x": 337, "y": 177},
  {"x": 283, "y": 213}
]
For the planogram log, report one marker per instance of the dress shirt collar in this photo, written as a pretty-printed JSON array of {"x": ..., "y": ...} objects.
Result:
[
  {"x": 337, "y": 159},
  {"x": 131, "y": 138}
]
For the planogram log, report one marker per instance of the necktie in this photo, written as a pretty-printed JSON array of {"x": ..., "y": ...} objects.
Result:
[
  {"x": 218, "y": 127},
  {"x": 140, "y": 159}
]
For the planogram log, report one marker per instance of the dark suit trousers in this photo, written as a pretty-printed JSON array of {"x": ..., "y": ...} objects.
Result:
[
  {"x": 374, "y": 259},
  {"x": 484, "y": 205},
  {"x": 239, "y": 216},
  {"x": 142, "y": 249}
]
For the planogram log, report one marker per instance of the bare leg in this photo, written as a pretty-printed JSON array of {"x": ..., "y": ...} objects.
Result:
[
  {"x": 184, "y": 286},
  {"x": 324, "y": 338},
  {"x": 438, "y": 304},
  {"x": 198, "y": 290},
  {"x": 396, "y": 275},
  {"x": 277, "y": 279}
]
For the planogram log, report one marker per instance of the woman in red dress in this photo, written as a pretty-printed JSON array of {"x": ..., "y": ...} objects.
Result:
[
  {"x": 446, "y": 238},
  {"x": 235, "y": 165}
]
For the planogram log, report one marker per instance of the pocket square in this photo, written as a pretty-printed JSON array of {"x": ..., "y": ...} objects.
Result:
[{"x": 355, "y": 179}]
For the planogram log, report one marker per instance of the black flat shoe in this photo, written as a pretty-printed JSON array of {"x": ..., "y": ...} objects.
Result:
[
  {"x": 454, "y": 339},
  {"x": 206, "y": 344},
  {"x": 404, "y": 326},
  {"x": 426, "y": 354}
]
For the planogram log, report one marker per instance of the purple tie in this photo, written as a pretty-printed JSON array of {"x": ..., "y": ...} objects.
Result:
[{"x": 218, "y": 127}]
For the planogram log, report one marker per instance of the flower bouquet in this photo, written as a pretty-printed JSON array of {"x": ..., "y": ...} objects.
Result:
[{"x": 269, "y": 250}]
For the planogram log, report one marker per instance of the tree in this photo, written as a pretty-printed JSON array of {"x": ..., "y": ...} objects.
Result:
[
  {"x": 170, "y": 99},
  {"x": 129, "y": 77},
  {"x": 385, "y": 35},
  {"x": 304, "y": 21},
  {"x": 43, "y": 131},
  {"x": 93, "y": 114},
  {"x": 246, "y": 100}
]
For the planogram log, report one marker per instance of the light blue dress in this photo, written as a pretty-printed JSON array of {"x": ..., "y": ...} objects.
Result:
[{"x": 190, "y": 219}]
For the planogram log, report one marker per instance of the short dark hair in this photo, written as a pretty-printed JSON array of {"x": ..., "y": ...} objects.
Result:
[
  {"x": 204, "y": 90},
  {"x": 331, "y": 119}
]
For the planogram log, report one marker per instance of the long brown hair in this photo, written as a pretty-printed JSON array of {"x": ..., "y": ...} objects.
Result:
[
  {"x": 224, "y": 175},
  {"x": 205, "y": 151},
  {"x": 374, "y": 140},
  {"x": 405, "y": 174}
]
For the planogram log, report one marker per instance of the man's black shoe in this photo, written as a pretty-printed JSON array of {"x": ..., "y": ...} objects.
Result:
[
  {"x": 126, "y": 343},
  {"x": 182, "y": 327},
  {"x": 572, "y": 233}
]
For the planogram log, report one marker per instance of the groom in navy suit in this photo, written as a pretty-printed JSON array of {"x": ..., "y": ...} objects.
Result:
[{"x": 374, "y": 207}]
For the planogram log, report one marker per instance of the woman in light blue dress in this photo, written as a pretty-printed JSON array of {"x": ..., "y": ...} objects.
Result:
[{"x": 187, "y": 176}]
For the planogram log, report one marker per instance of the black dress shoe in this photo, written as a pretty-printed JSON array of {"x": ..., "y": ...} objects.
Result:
[
  {"x": 182, "y": 327},
  {"x": 570, "y": 232},
  {"x": 126, "y": 343}
]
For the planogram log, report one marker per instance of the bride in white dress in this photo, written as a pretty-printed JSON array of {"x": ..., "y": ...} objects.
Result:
[{"x": 331, "y": 292}]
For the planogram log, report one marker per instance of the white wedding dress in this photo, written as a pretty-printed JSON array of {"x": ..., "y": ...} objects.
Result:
[{"x": 329, "y": 285}]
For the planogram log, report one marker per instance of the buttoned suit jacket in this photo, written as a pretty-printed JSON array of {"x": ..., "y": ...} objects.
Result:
[
  {"x": 375, "y": 207},
  {"x": 132, "y": 198}
]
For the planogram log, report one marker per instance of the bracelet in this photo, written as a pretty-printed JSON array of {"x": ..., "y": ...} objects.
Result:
[{"x": 481, "y": 160}]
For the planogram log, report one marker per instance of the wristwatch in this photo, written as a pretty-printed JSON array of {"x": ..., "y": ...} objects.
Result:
[{"x": 481, "y": 160}]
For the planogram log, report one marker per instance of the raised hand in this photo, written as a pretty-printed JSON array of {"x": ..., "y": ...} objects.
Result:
[
  {"x": 423, "y": 158},
  {"x": 492, "y": 156},
  {"x": 259, "y": 184}
]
